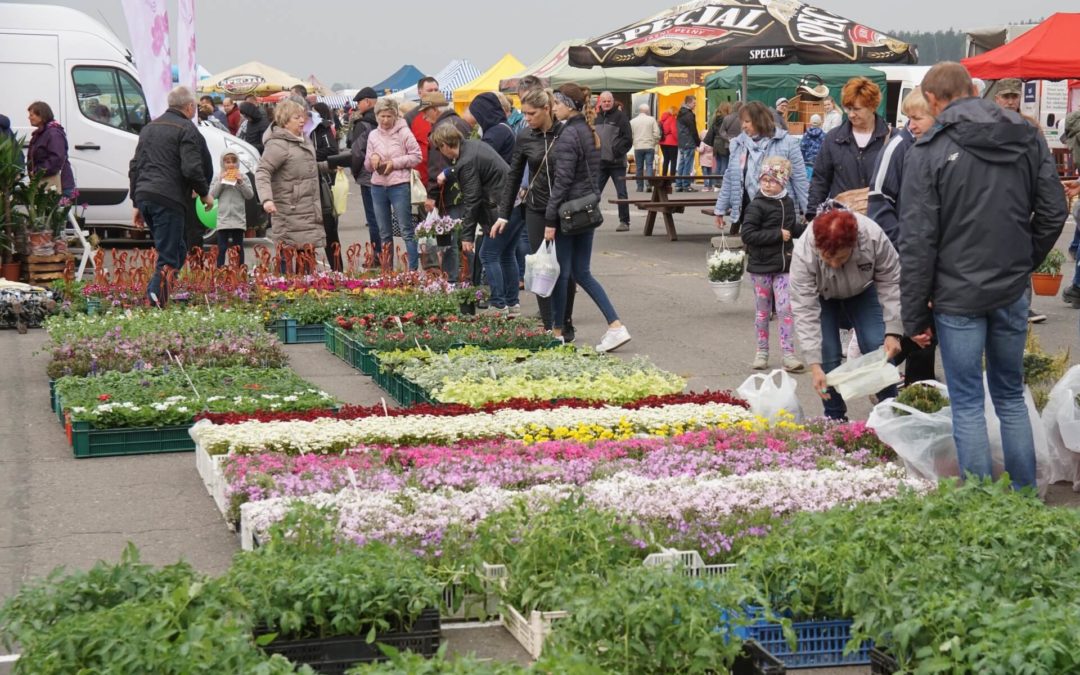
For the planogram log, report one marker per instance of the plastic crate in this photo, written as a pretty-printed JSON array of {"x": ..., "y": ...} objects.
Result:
[
  {"x": 819, "y": 643},
  {"x": 88, "y": 442},
  {"x": 285, "y": 329},
  {"x": 756, "y": 660},
  {"x": 474, "y": 606},
  {"x": 882, "y": 662},
  {"x": 309, "y": 334},
  {"x": 334, "y": 656},
  {"x": 332, "y": 339},
  {"x": 689, "y": 562},
  {"x": 52, "y": 394},
  {"x": 532, "y": 631}
]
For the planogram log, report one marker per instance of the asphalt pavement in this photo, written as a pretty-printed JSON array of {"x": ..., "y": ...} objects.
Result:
[{"x": 62, "y": 511}]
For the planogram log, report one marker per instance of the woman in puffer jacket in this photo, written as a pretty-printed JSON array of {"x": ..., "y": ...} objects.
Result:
[
  {"x": 392, "y": 152},
  {"x": 576, "y": 164}
]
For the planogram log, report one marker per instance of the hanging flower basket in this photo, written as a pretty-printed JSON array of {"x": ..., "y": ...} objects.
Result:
[
  {"x": 726, "y": 291},
  {"x": 726, "y": 269}
]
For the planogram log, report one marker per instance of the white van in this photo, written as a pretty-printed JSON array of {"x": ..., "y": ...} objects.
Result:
[
  {"x": 900, "y": 81},
  {"x": 81, "y": 69}
]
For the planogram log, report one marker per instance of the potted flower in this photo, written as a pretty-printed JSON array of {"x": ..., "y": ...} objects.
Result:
[
  {"x": 442, "y": 228},
  {"x": 11, "y": 170},
  {"x": 44, "y": 211},
  {"x": 726, "y": 270},
  {"x": 1046, "y": 279}
]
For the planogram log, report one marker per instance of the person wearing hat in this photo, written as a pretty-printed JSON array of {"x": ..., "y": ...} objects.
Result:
[
  {"x": 810, "y": 145},
  {"x": 1007, "y": 94},
  {"x": 363, "y": 123},
  {"x": 780, "y": 113},
  {"x": 447, "y": 198}
]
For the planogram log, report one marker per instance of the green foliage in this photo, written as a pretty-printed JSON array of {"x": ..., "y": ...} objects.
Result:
[
  {"x": 652, "y": 620},
  {"x": 40, "y": 208},
  {"x": 922, "y": 397},
  {"x": 409, "y": 663},
  {"x": 973, "y": 579},
  {"x": 556, "y": 554},
  {"x": 142, "y": 322},
  {"x": 11, "y": 170},
  {"x": 1052, "y": 263},
  {"x": 305, "y": 592}
]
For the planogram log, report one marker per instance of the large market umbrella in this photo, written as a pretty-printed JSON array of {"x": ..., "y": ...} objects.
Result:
[
  {"x": 743, "y": 32},
  {"x": 554, "y": 69},
  {"x": 1046, "y": 52},
  {"x": 250, "y": 78}
]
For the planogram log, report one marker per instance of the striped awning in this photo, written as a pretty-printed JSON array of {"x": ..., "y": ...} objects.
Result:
[
  {"x": 455, "y": 75},
  {"x": 335, "y": 101}
]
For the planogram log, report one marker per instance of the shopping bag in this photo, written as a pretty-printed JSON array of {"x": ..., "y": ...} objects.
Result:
[
  {"x": 417, "y": 189},
  {"x": 768, "y": 397},
  {"x": 923, "y": 441},
  {"x": 542, "y": 270},
  {"x": 1045, "y": 466},
  {"x": 863, "y": 376},
  {"x": 1061, "y": 424},
  {"x": 341, "y": 192}
]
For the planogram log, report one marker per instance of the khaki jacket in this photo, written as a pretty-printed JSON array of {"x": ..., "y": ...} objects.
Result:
[
  {"x": 874, "y": 262},
  {"x": 288, "y": 175}
]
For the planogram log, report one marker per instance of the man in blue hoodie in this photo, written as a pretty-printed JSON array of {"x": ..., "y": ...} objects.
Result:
[{"x": 981, "y": 206}]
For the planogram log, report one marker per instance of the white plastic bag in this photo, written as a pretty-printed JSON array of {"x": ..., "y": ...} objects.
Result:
[
  {"x": 924, "y": 441},
  {"x": 863, "y": 376},
  {"x": 1043, "y": 463},
  {"x": 542, "y": 270},
  {"x": 768, "y": 398},
  {"x": 1061, "y": 424}
]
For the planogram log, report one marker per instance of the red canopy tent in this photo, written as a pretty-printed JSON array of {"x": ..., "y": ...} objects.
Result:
[{"x": 1049, "y": 51}]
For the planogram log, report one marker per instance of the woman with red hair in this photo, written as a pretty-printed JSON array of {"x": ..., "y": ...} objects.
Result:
[{"x": 844, "y": 274}]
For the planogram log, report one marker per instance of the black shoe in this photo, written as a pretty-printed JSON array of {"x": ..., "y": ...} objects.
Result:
[
  {"x": 1071, "y": 295},
  {"x": 1035, "y": 317},
  {"x": 568, "y": 335},
  {"x": 640, "y": 189},
  {"x": 481, "y": 304},
  {"x": 679, "y": 189}
]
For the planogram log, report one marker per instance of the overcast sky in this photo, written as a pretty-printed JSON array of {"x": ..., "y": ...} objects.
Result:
[{"x": 362, "y": 42}]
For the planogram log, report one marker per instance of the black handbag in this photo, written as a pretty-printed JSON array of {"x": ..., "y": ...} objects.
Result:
[{"x": 583, "y": 213}]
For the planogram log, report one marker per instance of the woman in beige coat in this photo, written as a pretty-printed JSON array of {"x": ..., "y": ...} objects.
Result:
[{"x": 287, "y": 180}]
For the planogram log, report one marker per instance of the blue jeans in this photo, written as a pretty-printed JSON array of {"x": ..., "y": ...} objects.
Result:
[
  {"x": 863, "y": 313},
  {"x": 685, "y": 166},
  {"x": 617, "y": 174},
  {"x": 523, "y": 239},
  {"x": 1001, "y": 335},
  {"x": 166, "y": 226},
  {"x": 398, "y": 197},
  {"x": 644, "y": 161},
  {"x": 574, "y": 253},
  {"x": 721, "y": 168},
  {"x": 372, "y": 219},
  {"x": 499, "y": 255}
]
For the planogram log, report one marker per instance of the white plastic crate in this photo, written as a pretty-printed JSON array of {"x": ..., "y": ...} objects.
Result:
[
  {"x": 689, "y": 562},
  {"x": 211, "y": 470},
  {"x": 476, "y": 606},
  {"x": 532, "y": 631}
]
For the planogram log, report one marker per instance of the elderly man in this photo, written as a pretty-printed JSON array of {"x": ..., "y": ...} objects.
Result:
[
  {"x": 646, "y": 134},
  {"x": 166, "y": 169},
  {"x": 233, "y": 117},
  {"x": 689, "y": 140},
  {"x": 1007, "y": 94},
  {"x": 966, "y": 256},
  {"x": 616, "y": 139}
]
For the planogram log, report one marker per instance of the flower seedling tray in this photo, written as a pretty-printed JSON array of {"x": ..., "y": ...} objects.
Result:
[
  {"x": 334, "y": 656},
  {"x": 818, "y": 643},
  {"x": 88, "y": 442},
  {"x": 882, "y": 662}
]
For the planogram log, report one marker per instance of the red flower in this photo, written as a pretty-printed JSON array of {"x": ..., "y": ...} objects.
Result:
[{"x": 104, "y": 397}]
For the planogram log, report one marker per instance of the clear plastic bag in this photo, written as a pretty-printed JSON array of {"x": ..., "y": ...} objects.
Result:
[
  {"x": 863, "y": 376},
  {"x": 1061, "y": 424},
  {"x": 768, "y": 397},
  {"x": 923, "y": 441},
  {"x": 542, "y": 270}
]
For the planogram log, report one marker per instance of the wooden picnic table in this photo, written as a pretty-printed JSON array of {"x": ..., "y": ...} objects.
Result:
[{"x": 659, "y": 202}]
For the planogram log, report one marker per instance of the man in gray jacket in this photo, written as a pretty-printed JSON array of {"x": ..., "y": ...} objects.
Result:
[{"x": 981, "y": 208}]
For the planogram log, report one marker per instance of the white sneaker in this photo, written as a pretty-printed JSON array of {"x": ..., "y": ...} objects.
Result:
[
  {"x": 613, "y": 339},
  {"x": 513, "y": 311}
]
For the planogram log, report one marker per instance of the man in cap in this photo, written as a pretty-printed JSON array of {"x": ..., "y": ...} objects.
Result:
[
  {"x": 1007, "y": 94},
  {"x": 363, "y": 122},
  {"x": 780, "y": 113},
  {"x": 437, "y": 111}
]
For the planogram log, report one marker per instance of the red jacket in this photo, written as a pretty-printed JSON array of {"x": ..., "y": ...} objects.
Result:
[
  {"x": 669, "y": 128},
  {"x": 421, "y": 130},
  {"x": 234, "y": 118}
]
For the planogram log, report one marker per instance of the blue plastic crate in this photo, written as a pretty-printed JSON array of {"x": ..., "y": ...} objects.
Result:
[{"x": 819, "y": 643}]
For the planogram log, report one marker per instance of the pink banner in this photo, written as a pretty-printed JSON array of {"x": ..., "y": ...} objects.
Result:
[
  {"x": 148, "y": 27},
  {"x": 185, "y": 45}
]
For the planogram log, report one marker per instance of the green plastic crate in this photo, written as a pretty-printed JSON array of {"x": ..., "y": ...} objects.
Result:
[
  {"x": 331, "y": 338},
  {"x": 309, "y": 334},
  {"x": 88, "y": 442},
  {"x": 52, "y": 394},
  {"x": 285, "y": 329}
]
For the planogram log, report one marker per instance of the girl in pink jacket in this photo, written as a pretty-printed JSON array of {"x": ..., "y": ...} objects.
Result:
[{"x": 392, "y": 152}]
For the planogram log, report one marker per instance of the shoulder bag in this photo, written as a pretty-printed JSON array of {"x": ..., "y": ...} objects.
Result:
[{"x": 583, "y": 213}]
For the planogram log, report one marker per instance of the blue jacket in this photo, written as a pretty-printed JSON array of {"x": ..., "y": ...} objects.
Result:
[
  {"x": 883, "y": 203},
  {"x": 811, "y": 144},
  {"x": 744, "y": 168},
  {"x": 489, "y": 114}
]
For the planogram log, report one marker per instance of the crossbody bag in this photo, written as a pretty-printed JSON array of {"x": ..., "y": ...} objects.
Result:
[{"x": 583, "y": 213}]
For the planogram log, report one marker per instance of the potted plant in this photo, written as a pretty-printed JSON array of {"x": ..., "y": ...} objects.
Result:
[
  {"x": 726, "y": 268},
  {"x": 1046, "y": 279},
  {"x": 442, "y": 228},
  {"x": 11, "y": 170},
  {"x": 44, "y": 212}
]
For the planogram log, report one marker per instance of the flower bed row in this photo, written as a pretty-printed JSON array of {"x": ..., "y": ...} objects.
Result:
[
  {"x": 514, "y": 465},
  {"x": 329, "y": 435},
  {"x": 440, "y": 333}
]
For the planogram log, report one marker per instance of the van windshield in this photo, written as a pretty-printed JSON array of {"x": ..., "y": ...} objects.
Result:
[{"x": 110, "y": 96}]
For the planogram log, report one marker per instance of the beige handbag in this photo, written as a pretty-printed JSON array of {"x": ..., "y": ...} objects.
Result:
[
  {"x": 855, "y": 200},
  {"x": 418, "y": 191}
]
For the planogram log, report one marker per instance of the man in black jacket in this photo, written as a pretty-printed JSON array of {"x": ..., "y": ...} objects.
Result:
[
  {"x": 166, "y": 169},
  {"x": 981, "y": 206},
  {"x": 616, "y": 139},
  {"x": 447, "y": 198},
  {"x": 256, "y": 125},
  {"x": 687, "y": 130},
  {"x": 363, "y": 123}
]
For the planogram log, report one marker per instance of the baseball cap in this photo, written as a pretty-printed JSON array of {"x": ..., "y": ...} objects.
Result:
[
  {"x": 780, "y": 101},
  {"x": 1010, "y": 85},
  {"x": 366, "y": 92}
]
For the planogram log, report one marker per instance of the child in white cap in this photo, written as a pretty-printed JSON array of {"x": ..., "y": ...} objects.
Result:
[{"x": 811, "y": 142}]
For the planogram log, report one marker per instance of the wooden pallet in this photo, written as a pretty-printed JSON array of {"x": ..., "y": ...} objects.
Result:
[{"x": 42, "y": 269}]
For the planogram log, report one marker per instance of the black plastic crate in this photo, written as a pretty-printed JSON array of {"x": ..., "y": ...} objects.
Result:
[
  {"x": 882, "y": 663},
  {"x": 756, "y": 660},
  {"x": 334, "y": 656}
]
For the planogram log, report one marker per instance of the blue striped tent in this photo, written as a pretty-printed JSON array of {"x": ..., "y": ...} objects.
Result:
[
  {"x": 336, "y": 100},
  {"x": 455, "y": 75}
]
